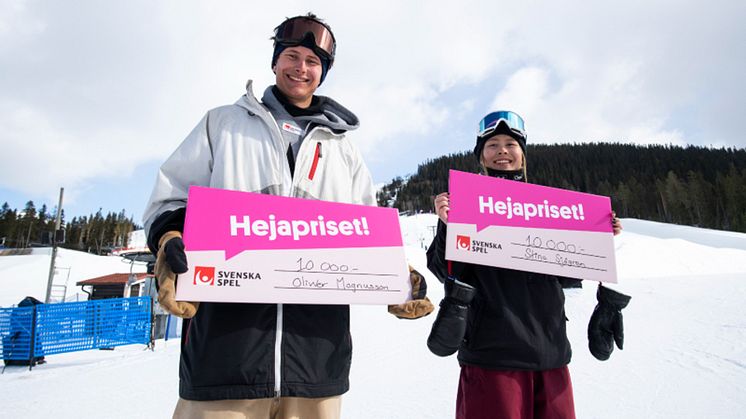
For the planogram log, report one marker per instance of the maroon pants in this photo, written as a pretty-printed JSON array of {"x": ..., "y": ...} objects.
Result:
[{"x": 492, "y": 394}]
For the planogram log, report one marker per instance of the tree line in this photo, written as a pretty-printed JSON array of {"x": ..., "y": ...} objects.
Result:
[
  {"x": 697, "y": 186},
  {"x": 96, "y": 233}
]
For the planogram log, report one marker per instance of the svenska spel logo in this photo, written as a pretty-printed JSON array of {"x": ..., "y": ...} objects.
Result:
[
  {"x": 204, "y": 275},
  {"x": 463, "y": 243}
]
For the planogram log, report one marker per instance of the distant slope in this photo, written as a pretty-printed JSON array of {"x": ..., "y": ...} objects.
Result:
[{"x": 22, "y": 276}]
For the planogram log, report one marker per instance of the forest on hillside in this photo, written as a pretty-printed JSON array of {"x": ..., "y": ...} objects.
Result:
[
  {"x": 96, "y": 233},
  {"x": 697, "y": 186}
]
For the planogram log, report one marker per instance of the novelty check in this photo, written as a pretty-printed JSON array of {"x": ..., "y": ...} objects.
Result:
[
  {"x": 256, "y": 248},
  {"x": 528, "y": 227}
]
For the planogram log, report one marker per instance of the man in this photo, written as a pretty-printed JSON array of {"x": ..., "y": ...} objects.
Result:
[{"x": 265, "y": 360}]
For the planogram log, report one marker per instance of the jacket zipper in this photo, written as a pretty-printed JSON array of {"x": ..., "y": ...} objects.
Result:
[
  {"x": 278, "y": 324},
  {"x": 315, "y": 163},
  {"x": 278, "y": 351}
]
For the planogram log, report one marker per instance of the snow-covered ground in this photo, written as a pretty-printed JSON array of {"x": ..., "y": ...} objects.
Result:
[
  {"x": 27, "y": 275},
  {"x": 684, "y": 356}
]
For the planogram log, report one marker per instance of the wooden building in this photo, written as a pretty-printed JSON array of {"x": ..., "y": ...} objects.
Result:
[{"x": 115, "y": 285}]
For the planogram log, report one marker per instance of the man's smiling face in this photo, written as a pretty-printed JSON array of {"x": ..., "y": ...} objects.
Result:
[{"x": 298, "y": 74}]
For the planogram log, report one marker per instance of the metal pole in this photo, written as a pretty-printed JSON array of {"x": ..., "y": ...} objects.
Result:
[{"x": 57, "y": 223}]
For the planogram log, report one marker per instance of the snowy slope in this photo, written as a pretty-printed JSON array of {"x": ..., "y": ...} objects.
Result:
[
  {"x": 22, "y": 276},
  {"x": 684, "y": 353}
]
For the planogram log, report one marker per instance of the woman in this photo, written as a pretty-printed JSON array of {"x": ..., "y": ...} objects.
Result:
[{"x": 508, "y": 325}]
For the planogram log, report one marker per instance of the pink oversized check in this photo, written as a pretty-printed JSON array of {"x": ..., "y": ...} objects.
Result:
[
  {"x": 250, "y": 247},
  {"x": 528, "y": 227}
]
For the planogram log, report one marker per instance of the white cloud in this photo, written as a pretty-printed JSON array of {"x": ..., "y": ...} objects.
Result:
[
  {"x": 525, "y": 91},
  {"x": 17, "y": 24},
  {"x": 628, "y": 73},
  {"x": 107, "y": 86},
  {"x": 39, "y": 156}
]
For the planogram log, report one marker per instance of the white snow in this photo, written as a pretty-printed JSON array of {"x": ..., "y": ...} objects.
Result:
[
  {"x": 684, "y": 356},
  {"x": 27, "y": 275}
]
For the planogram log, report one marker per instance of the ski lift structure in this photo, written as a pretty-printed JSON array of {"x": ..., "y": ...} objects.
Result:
[{"x": 164, "y": 325}]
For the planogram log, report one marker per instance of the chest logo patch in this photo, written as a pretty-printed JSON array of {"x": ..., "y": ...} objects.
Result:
[{"x": 291, "y": 128}]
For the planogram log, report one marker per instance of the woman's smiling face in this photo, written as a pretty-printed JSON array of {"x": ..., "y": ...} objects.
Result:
[{"x": 502, "y": 152}]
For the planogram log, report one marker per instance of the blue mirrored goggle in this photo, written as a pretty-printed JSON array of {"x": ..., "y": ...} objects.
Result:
[{"x": 490, "y": 122}]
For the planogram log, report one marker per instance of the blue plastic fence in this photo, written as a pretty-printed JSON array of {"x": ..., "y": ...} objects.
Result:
[
  {"x": 16, "y": 329},
  {"x": 78, "y": 326}
]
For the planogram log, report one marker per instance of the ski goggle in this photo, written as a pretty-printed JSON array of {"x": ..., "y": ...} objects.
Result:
[
  {"x": 294, "y": 31},
  {"x": 489, "y": 123}
]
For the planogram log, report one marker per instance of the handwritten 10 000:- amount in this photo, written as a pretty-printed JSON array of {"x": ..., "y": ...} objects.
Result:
[
  {"x": 566, "y": 254},
  {"x": 342, "y": 282}
]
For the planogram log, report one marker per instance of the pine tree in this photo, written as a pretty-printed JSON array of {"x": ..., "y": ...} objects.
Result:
[{"x": 654, "y": 182}]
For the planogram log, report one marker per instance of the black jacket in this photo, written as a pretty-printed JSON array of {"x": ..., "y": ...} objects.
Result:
[
  {"x": 516, "y": 320},
  {"x": 228, "y": 350}
]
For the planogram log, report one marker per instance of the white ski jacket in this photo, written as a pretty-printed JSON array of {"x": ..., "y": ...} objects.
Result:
[{"x": 249, "y": 351}]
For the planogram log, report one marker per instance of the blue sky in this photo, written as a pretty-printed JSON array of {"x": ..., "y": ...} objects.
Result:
[{"x": 95, "y": 95}]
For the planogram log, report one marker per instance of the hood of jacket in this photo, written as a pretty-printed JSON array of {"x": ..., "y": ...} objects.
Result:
[{"x": 334, "y": 116}]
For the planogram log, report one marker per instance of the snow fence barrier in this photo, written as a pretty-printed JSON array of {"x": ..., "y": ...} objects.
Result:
[{"x": 33, "y": 332}]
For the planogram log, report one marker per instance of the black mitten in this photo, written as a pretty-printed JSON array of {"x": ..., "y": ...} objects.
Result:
[
  {"x": 450, "y": 324},
  {"x": 175, "y": 256},
  {"x": 606, "y": 325},
  {"x": 166, "y": 272}
]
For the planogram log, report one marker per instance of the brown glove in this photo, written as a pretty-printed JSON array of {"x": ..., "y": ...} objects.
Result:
[
  {"x": 167, "y": 279},
  {"x": 419, "y": 305}
]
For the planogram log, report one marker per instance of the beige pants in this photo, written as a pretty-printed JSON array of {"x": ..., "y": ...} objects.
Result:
[{"x": 274, "y": 408}]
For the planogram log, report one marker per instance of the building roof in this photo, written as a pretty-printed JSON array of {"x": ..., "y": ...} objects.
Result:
[{"x": 111, "y": 279}]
